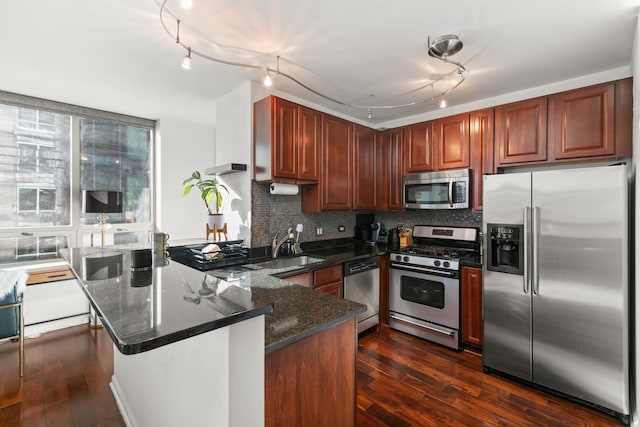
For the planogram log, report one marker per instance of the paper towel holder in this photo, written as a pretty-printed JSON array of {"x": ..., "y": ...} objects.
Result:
[{"x": 277, "y": 188}]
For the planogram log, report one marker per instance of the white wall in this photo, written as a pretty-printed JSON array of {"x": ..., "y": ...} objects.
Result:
[{"x": 182, "y": 147}]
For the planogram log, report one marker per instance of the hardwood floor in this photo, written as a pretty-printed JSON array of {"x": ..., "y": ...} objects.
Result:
[
  {"x": 402, "y": 381},
  {"x": 406, "y": 381}
]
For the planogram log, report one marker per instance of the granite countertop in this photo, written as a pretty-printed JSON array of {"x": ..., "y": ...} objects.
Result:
[
  {"x": 190, "y": 302},
  {"x": 143, "y": 310}
]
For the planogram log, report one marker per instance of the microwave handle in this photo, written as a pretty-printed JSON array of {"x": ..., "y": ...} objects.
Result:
[{"x": 450, "y": 193}]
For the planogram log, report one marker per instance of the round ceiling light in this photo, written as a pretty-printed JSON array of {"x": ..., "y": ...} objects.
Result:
[{"x": 445, "y": 46}]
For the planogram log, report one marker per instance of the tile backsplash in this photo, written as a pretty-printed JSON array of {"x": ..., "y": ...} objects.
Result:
[{"x": 276, "y": 213}]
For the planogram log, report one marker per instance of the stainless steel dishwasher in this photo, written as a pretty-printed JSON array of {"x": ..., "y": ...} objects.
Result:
[{"x": 362, "y": 284}]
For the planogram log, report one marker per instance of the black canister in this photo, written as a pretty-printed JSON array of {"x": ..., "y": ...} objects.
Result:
[{"x": 393, "y": 239}]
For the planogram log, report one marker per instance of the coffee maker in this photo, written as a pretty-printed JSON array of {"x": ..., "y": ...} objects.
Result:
[{"x": 367, "y": 230}]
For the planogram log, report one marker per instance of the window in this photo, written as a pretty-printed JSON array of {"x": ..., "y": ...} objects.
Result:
[{"x": 49, "y": 153}]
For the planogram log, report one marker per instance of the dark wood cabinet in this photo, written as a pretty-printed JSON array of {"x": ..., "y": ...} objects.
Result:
[
  {"x": 302, "y": 279},
  {"x": 418, "y": 147},
  {"x": 337, "y": 167},
  {"x": 309, "y": 143},
  {"x": 364, "y": 168},
  {"x": 389, "y": 173},
  {"x": 384, "y": 289},
  {"x": 581, "y": 122},
  {"x": 481, "y": 145},
  {"x": 312, "y": 382},
  {"x": 471, "y": 306},
  {"x": 286, "y": 141},
  {"x": 451, "y": 142},
  {"x": 329, "y": 280},
  {"x": 521, "y": 132}
]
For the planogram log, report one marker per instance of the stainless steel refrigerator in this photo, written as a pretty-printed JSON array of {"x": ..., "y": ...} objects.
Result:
[{"x": 555, "y": 281}]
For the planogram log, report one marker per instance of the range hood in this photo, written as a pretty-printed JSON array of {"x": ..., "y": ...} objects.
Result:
[{"x": 226, "y": 168}]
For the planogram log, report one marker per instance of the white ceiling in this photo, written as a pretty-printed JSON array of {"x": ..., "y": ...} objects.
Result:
[{"x": 356, "y": 51}]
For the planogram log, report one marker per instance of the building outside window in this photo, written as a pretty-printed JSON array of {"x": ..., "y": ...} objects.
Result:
[{"x": 50, "y": 153}]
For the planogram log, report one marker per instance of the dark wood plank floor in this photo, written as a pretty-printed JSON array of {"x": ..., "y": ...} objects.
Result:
[{"x": 402, "y": 381}]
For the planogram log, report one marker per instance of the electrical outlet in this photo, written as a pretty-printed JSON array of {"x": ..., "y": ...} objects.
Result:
[
  {"x": 341, "y": 228},
  {"x": 319, "y": 231}
]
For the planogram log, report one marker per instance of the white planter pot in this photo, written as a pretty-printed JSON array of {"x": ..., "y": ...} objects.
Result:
[{"x": 216, "y": 220}]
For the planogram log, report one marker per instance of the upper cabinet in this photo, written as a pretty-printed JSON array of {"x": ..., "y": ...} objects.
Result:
[
  {"x": 521, "y": 132},
  {"x": 593, "y": 122},
  {"x": 389, "y": 173},
  {"x": 364, "y": 168},
  {"x": 286, "y": 141},
  {"x": 582, "y": 122},
  {"x": 451, "y": 142},
  {"x": 418, "y": 147},
  {"x": 481, "y": 144}
]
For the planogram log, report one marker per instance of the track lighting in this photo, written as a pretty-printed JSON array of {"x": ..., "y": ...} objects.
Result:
[
  {"x": 186, "y": 62},
  {"x": 442, "y": 48},
  {"x": 267, "y": 79}
]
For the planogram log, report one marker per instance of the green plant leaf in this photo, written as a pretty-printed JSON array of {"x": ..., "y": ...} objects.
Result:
[{"x": 186, "y": 190}]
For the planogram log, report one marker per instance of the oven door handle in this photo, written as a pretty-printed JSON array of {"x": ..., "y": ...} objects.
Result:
[
  {"x": 431, "y": 328},
  {"x": 451, "y": 193},
  {"x": 422, "y": 270}
]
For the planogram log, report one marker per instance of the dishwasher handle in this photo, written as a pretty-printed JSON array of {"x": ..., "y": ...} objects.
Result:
[{"x": 361, "y": 265}]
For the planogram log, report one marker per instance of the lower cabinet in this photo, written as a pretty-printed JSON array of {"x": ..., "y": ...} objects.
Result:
[
  {"x": 471, "y": 306},
  {"x": 327, "y": 280},
  {"x": 312, "y": 382}
]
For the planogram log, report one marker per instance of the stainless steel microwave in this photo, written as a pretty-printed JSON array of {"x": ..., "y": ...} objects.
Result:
[{"x": 436, "y": 190}]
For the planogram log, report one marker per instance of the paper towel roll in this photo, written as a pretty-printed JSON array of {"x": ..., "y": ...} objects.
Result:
[{"x": 284, "y": 189}]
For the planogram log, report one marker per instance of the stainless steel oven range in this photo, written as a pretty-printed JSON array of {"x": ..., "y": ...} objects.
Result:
[{"x": 424, "y": 282}]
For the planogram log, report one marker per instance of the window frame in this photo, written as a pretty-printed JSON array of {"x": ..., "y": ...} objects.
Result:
[{"x": 76, "y": 231}]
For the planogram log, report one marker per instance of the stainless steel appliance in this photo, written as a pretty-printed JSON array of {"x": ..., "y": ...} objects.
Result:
[
  {"x": 424, "y": 282},
  {"x": 555, "y": 282},
  {"x": 362, "y": 284},
  {"x": 436, "y": 190}
]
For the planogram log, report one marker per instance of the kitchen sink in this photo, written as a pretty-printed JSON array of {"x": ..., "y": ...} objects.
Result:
[{"x": 299, "y": 261}]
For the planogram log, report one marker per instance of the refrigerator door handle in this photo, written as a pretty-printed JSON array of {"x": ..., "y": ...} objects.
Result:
[
  {"x": 527, "y": 224},
  {"x": 451, "y": 193},
  {"x": 535, "y": 230}
]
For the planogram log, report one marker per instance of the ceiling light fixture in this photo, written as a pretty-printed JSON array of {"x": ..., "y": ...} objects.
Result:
[
  {"x": 267, "y": 79},
  {"x": 186, "y": 4},
  {"x": 443, "y": 103},
  {"x": 186, "y": 62},
  {"x": 441, "y": 48}
]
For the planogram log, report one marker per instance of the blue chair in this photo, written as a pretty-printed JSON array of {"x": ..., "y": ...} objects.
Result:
[{"x": 11, "y": 314}]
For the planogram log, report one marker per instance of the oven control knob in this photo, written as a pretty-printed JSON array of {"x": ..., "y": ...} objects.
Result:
[
  {"x": 406, "y": 259},
  {"x": 446, "y": 264},
  {"x": 398, "y": 257},
  {"x": 436, "y": 263}
]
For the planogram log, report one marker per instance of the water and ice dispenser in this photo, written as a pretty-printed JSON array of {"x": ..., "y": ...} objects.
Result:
[{"x": 505, "y": 252}]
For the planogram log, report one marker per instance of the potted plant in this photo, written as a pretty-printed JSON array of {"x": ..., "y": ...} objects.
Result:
[{"x": 211, "y": 195}]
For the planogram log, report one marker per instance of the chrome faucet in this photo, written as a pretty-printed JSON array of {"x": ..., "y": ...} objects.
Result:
[{"x": 275, "y": 244}]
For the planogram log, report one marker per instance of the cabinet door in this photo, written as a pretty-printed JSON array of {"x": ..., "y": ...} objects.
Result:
[
  {"x": 389, "y": 174},
  {"x": 451, "y": 142},
  {"x": 481, "y": 143},
  {"x": 334, "y": 289},
  {"x": 364, "y": 168},
  {"x": 418, "y": 147},
  {"x": 581, "y": 122},
  {"x": 337, "y": 163},
  {"x": 472, "y": 306},
  {"x": 302, "y": 279},
  {"x": 521, "y": 132},
  {"x": 284, "y": 139},
  {"x": 309, "y": 140}
]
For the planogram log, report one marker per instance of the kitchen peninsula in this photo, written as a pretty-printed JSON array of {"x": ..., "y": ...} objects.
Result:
[{"x": 191, "y": 346}]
